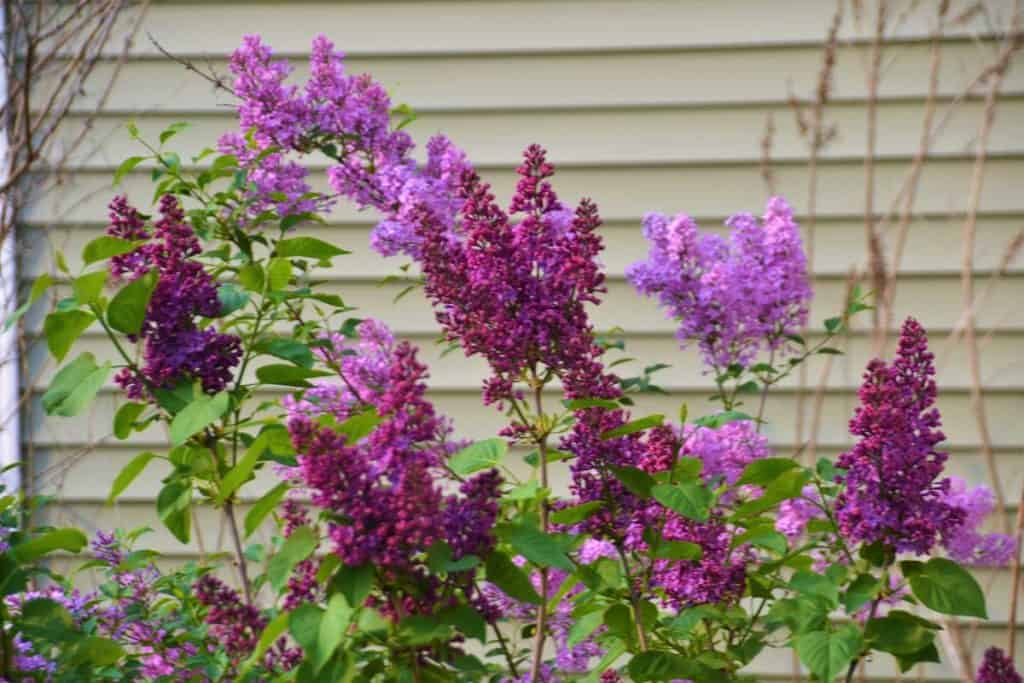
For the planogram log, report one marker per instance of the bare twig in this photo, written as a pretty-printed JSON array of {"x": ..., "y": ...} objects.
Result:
[
  {"x": 209, "y": 76},
  {"x": 887, "y": 296},
  {"x": 876, "y": 258},
  {"x": 967, "y": 292}
]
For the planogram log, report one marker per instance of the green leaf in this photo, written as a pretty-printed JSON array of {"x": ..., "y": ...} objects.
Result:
[
  {"x": 296, "y": 548},
  {"x": 480, "y": 455},
  {"x": 97, "y": 651},
  {"x": 63, "y": 328},
  {"x": 422, "y": 630},
  {"x": 308, "y": 247},
  {"x": 353, "y": 583},
  {"x": 88, "y": 287},
  {"x": 512, "y": 580},
  {"x": 102, "y": 248},
  {"x": 333, "y": 625},
  {"x": 829, "y": 654},
  {"x": 677, "y": 550},
  {"x": 127, "y": 166},
  {"x": 928, "y": 653},
  {"x": 467, "y": 620},
  {"x": 304, "y": 625},
  {"x": 536, "y": 546},
  {"x": 359, "y": 426},
  {"x": 127, "y": 309},
  {"x": 863, "y": 589},
  {"x": 288, "y": 375},
  {"x": 817, "y": 585},
  {"x": 242, "y": 470},
  {"x": 263, "y": 507},
  {"x": 279, "y": 271},
  {"x": 585, "y": 625},
  {"x": 231, "y": 298},
  {"x": 125, "y": 418},
  {"x": 75, "y": 386},
  {"x": 173, "y": 130},
  {"x": 250, "y": 276},
  {"x": 583, "y": 403},
  {"x": 174, "y": 507},
  {"x": 39, "y": 287},
  {"x": 691, "y": 499},
  {"x": 945, "y": 587},
  {"x": 128, "y": 474},
  {"x": 287, "y": 349},
  {"x": 764, "y": 471},
  {"x": 764, "y": 538},
  {"x": 900, "y": 633},
  {"x": 636, "y": 480},
  {"x": 577, "y": 513},
  {"x": 274, "y": 630},
  {"x": 67, "y": 539},
  {"x": 634, "y": 426},
  {"x": 663, "y": 666},
  {"x": 197, "y": 415},
  {"x": 721, "y": 419}
]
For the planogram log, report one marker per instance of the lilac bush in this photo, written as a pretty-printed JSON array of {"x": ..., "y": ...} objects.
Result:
[{"x": 682, "y": 549}]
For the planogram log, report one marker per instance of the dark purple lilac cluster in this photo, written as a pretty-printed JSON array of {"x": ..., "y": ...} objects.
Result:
[
  {"x": 383, "y": 492},
  {"x": 892, "y": 491},
  {"x": 176, "y": 348},
  {"x": 997, "y": 668},
  {"x": 237, "y": 627}
]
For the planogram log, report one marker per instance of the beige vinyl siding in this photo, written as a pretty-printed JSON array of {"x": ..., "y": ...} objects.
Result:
[{"x": 647, "y": 105}]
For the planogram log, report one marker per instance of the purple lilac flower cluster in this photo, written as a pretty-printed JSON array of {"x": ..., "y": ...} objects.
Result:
[
  {"x": 997, "y": 668},
  {"x": 344, "y": 115},
  {"x": 732, "y": 297},
  {"x": 893, "y": 493},
  {"x": 386, "y": 485},
  {"x": 966, "y": 543},
  {"x": 569, "y": 658},
  {"x": 237, "y": 626},
  {"x": 514, "y": 291},
  {"x": 176, "y": 348},
  {"x": 720, "y": 574}
]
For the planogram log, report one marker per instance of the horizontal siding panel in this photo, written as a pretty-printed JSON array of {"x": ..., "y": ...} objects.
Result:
[
  {"x": 1002, "y": 364},
  {"x": 74, "y": 474},
  {"x": 927, "y": 250},
  {"x": 510, "y": 26},
  {"x": 474, "y": 421},
  {"x": 615, "y": 136},
  {"x": 625, "y": 193},
  {"x": 668, "y": 77},
  {"x": 934, "y": 301}
]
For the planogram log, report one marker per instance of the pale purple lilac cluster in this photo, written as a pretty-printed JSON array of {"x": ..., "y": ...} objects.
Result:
[
  {"x": 383, "y": 492},
  {"x": 967, "y": 543},
  {"x": 569, "y": 658},
  {"x": 177, "y": 349},
  {"x": 346, "y": 116},
  {"x": 733, "y": 298}
]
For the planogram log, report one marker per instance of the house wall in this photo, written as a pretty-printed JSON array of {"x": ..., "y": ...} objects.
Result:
[{"x": 647, "y": 105}]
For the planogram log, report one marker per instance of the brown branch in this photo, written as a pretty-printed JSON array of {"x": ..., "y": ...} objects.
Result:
[
  {"x": 967, "y": 293},
  {"x": 876, "y": 258},
  {"x": 888, "y": 296},
  {"x": 213, "y": 78}
]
